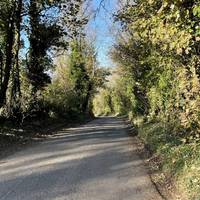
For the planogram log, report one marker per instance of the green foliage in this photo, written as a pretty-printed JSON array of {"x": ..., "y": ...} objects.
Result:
[
  {"x": 117, "y": 97},
  {"x": 45, "y": 27},
  {"x": 179, "y": 160},
  {"x": 161, "y": 56},
  {"x": 102, "y": 104},
  {"x": 75, "y": 82},
  {"x": 79, "y": 75},
  {"x": 60, "y": 95}
]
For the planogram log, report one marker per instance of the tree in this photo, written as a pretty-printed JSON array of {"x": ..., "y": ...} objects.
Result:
[
  {"x": 76, "y": 80},
  {"x": 43, "y": 35},
  {"x": 10, "y": 19},
  {"x": 162, "y": 43}
]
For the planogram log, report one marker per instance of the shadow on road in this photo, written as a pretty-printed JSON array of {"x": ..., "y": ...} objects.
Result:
[{"x": 100, "y": 151}]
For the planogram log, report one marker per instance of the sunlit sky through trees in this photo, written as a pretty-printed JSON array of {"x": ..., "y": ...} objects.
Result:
[{"x": 102, "y": 29}]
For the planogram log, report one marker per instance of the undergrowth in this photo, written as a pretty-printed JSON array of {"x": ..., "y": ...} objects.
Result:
[{"x": 179, "y": 160}]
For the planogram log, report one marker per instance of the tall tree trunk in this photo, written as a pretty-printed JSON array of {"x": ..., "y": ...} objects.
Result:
[
  {"x": 1, "y": 68},
  {"x": 10, "y": 32},
  {"x": 34, "y": 51},
  {"x": 15, "y": 89},
  {"x": 87, "y": 98}
]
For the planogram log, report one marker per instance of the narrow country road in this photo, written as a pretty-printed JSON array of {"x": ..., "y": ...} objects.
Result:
[{"x": 96, "y": 161}]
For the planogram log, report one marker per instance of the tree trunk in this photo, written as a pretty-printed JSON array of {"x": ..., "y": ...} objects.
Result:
[
  {"x": 9, "y": 57},
  {"x": 16, "y": 77},
  {"x": 87, "y": 98},
  {"x": 1, "y": 68},
  {"x": 15, "y": 90}
]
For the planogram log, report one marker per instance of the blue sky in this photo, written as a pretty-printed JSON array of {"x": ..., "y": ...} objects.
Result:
[{"x": 104, "y": 29}]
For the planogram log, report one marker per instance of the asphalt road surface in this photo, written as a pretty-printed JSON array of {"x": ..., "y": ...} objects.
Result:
[{"x": 96, "y": 161}]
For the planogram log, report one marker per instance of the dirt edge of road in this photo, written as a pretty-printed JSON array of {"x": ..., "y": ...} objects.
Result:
[{"x": 165, "y": 186}]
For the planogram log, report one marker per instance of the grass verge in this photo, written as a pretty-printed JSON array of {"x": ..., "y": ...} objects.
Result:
[{"x": 175, "y": 165}]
